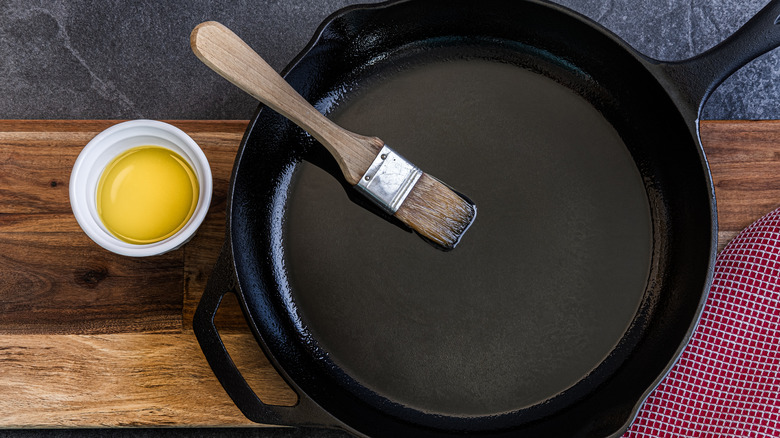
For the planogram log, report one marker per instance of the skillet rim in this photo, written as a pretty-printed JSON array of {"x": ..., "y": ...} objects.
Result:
[{"x": 306, "y": 51}]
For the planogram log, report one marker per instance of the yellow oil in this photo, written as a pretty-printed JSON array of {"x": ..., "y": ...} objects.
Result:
[{"x": 146, "y": 194}]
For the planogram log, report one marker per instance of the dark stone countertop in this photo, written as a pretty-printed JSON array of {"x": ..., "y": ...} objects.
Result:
[{"x": 82, "y": 59}]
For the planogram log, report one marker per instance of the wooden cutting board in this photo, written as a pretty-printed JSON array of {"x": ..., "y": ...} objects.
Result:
[{"x": 92, "y": 339}]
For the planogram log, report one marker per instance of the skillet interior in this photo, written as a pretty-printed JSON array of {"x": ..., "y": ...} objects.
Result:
[
  {"x": 549, "y": 278},
  {"x": 587, "y": 169}
]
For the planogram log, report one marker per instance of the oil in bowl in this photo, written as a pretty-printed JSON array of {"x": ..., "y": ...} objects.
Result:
[{"x": 146, "y": 194}]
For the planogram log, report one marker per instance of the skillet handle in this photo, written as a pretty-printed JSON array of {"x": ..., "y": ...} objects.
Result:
[
  {"x": 697, "y": 77},
  {"x": 305, "y": 413}
]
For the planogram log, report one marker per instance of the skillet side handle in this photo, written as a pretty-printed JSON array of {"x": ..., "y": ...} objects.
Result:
[
  {"x": 304, "y": 413},
  {"x": 696, "y": 78}
]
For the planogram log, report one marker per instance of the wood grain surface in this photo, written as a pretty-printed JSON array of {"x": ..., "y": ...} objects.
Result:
[{"x": 91, "y": 339}]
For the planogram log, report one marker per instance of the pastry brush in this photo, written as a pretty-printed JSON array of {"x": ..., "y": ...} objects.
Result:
[{"x": 417, "y": 199}]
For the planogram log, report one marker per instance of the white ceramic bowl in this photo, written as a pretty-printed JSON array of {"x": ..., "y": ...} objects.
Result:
[{"x": 112, "y": 142}]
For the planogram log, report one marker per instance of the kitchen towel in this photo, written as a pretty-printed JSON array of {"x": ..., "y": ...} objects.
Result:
[{"x": 727, "y": 381}]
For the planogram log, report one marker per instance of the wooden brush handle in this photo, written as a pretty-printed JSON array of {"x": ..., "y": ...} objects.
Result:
[{"x": 227, "y": 54}]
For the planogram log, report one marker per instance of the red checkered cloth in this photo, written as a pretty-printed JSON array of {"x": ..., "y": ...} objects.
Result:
[{"x": 727, "y": 382}]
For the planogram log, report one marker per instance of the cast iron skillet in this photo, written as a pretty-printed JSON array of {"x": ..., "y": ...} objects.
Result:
[{"x": 579, "y": 283}]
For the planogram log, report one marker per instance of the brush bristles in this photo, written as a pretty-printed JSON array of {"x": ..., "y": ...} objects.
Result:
[{"x": 436, "y": 212}]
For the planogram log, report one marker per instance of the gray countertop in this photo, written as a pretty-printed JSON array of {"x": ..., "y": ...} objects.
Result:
[{"x": 82, "y": 59}]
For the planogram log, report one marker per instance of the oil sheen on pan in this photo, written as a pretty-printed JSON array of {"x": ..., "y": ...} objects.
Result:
[{"x": 541, "y": 288}]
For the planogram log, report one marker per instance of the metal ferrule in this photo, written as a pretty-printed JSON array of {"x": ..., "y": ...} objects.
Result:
[{"x": 389, "y": 180}]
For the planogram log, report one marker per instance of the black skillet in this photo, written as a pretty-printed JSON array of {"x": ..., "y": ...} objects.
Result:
[{"x": 580, "y": 281}]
